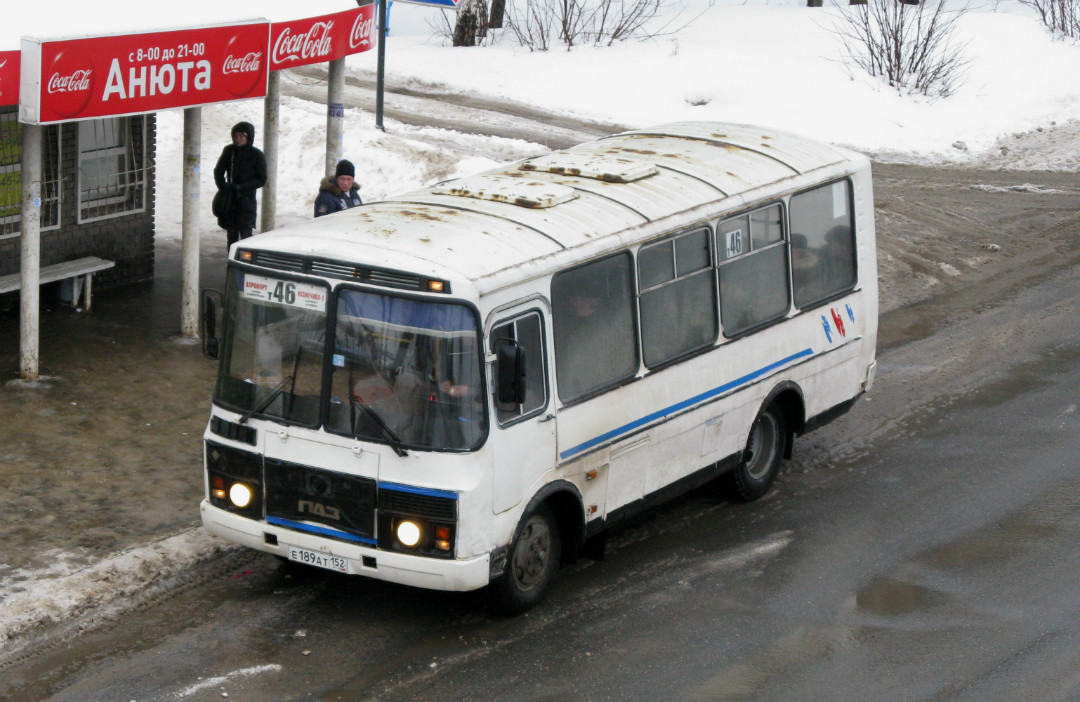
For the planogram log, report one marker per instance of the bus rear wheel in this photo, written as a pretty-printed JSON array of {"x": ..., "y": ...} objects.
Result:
[
  {"x": 761, "y": 460},
  {"x": 532, "y": 563}
]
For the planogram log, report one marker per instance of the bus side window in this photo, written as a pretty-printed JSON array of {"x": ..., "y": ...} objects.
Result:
[
  {"x": 823, "y": 243},
  {"x": 592, "y": 308},
  {"x": 678, "y": 307},
  {"x": 753, "y": 270},
  {"x": 528, "y": 332}
]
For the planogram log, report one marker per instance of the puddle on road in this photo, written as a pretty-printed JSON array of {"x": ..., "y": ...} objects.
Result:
[{"x": 958, "y": 578}]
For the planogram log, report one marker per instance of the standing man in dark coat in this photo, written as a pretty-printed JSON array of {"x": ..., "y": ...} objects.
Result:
[
  {"x": 339, "y": 192},
  {"x": 241, "y": 171}
]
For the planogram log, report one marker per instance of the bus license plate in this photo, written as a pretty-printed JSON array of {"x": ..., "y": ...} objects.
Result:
[{"x": 322, "y": 560}]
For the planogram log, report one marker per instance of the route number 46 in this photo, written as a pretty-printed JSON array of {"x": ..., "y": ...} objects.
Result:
[
  {"x": 284, "y": 292},
  {"x": 734, "y": 243}
]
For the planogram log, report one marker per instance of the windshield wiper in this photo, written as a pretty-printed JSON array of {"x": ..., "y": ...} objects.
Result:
[
  {"x": 266, "y": 402},
  {"x": 391, "y": 438}
]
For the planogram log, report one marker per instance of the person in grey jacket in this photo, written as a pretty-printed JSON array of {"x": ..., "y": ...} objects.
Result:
[
  {"x": 241, "y": 170},
  {"x": 338, "y": 192}
]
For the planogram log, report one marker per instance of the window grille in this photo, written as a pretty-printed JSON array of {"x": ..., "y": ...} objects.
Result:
[
  {"x": 11, "y": 174},
  {"x": 112, "y": 167}
]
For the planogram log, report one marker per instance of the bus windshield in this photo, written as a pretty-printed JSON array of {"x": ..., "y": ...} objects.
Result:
[
  {"x": 411, "y": 366},
  {"x": 272, "y": 356}
]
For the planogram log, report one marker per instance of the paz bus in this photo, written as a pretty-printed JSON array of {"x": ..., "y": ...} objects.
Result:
[{"x": 465, "y": 385}]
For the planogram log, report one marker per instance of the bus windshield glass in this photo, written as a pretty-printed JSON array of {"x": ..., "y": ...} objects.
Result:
[
  {"x": 406, "y": 372},
  {"x": 272, "y": 356}
]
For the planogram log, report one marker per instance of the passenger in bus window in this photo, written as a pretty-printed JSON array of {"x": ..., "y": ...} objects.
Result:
[
  {"x": 805, "y": 270},
  {"x": 837, "y": 257},
  {"x": 595, "y": 343}
]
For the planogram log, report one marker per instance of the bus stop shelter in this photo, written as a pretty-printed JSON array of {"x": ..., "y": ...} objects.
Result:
[{"x": 65, "y": 80}]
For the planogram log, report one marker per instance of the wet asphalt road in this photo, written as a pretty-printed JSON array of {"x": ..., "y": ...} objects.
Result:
[{"x": 920, "y": 548}]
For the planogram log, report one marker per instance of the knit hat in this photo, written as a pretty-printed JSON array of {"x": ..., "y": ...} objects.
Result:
[{"x": 345, "y": 168}]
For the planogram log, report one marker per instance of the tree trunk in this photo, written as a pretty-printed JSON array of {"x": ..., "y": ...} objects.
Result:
[
  {"x": 498, "y": 9},
  {"x": 471, "y": 23}
]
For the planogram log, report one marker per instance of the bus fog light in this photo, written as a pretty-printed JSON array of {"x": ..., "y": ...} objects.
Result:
[
  {"x": 408, "y": 532},
  {"x": 217, "y": 487},
  {"x": 240, "y": 495},
  {"x": 442, "y": 538}
]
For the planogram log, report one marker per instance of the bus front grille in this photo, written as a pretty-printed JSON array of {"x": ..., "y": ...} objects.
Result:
[
  {"x": 432, "y": 507},
  {"x": 304, "y": 495}
]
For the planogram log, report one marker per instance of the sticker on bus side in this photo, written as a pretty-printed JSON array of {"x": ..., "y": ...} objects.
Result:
[{"x": 285, "y": 292}]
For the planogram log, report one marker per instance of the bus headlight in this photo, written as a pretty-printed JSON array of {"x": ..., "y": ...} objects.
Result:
[
  {"x": 408, "y": 532},
  {"x": 240, "y": 495}
]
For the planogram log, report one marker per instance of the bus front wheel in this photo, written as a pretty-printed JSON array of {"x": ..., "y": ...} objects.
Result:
[
  {"x": 532, "y": 563},
  {"x": 753, "y": 477}
]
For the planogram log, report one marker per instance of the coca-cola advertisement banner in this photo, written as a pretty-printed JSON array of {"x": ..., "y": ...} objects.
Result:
[
  {"x": 136, "y": 73},
  {"x": 322, "y": 39},
  {"x": 9, "y": 78}
]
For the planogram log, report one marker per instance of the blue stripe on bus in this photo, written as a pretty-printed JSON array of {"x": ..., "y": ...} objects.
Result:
[
  {"x": 300, "y": 526},
  {"x": 707, "y": 395},
  {"x": 419, "y": 491}
]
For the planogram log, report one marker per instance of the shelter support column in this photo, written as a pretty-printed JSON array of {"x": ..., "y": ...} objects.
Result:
[
  {"x": 335, "y": 115},
  {"x": 189, "y": 247},
  {"x": 30, "y": 272},
  {"x": 271, "y": 112},
  {"x": 381, "y": 67}
]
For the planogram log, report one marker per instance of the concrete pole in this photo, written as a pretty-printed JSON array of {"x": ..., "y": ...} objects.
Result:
[
  {"x": 189, "y": 246},
  {"x": 30, "y": 293},
  {"x": 381, "y": 66},
  {"x": 271, "y": 110},
  {"x": 335, "y": 115}
]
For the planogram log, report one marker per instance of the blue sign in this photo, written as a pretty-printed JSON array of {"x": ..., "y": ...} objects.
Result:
[{"x": 436, "y": 3}]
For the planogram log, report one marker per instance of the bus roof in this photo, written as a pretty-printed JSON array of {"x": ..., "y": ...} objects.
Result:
[{"x": 519, "y": 219}]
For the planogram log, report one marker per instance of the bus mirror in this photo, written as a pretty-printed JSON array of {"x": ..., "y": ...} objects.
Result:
[
  {"x": 509, "y": 376},
  {"x": 211, "y": 301}
]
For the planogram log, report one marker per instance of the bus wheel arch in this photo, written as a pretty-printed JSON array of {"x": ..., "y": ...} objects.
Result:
[
  {"x": 550, "y": 531},
  {"x": 769, "y": 442},
  {"x": 788, "y": 398}
]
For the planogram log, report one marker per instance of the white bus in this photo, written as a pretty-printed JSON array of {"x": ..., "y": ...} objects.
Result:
[{"x": 467, "y": 384}]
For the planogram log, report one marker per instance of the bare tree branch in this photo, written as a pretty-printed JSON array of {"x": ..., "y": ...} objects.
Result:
[{"x": 910, "y": 47}]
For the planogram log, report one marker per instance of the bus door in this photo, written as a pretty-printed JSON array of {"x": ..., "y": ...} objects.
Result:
[{"x": 524, "y": 434}]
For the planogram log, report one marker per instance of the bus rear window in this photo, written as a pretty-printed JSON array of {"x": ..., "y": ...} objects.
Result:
[{"x": 822, "y": 243}]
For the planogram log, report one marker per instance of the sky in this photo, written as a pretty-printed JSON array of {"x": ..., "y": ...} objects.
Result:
[{"x": 774, "y": 63}]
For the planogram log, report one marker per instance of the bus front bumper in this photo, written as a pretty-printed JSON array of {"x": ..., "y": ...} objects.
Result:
[{"x": 418, "y": 571}]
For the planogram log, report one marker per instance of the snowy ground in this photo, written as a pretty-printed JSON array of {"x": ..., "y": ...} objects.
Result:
[{"x": 772, "y": 62}]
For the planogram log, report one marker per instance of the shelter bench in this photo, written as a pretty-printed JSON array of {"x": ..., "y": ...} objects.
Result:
[{"x": 80, "y": 270}]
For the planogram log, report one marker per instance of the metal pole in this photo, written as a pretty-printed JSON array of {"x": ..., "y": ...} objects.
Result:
[
  {"x": 30, "y": 293},
  {"x": 335, "y": 115},
  {"x": 381, "y": 69},
  {"x": 271, "y": 111},
  {"x": 189, "y": 246}
]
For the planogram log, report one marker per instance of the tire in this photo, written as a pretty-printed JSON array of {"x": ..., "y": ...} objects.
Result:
[
  {"x": 761, "y": 460},
  {"x": 531, "y": 564}
]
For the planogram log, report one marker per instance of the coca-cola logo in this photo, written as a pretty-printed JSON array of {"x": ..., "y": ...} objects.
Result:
[
  {"x": 363, "y": 29},
  {"x": 248, "y": 63},
  {"x": 244, "y": 66},
  {"x": 70, "y": 83},
  {"x": 317, "y": 42},
  {"x": 77, "y": 81}
]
